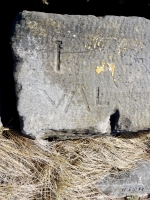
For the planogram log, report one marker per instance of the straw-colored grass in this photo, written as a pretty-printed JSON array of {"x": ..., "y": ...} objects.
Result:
[
  {"x": 45, "y": 2},
  {"x": 63, "y": 170}
]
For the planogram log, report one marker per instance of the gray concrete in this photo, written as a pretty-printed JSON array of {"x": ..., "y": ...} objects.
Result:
[
  {"x": 73, "y": 72},
  {"x": 132, "y": 182}
]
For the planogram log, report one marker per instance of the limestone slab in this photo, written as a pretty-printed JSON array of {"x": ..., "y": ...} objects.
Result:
[{"x": 81, "y": 75}]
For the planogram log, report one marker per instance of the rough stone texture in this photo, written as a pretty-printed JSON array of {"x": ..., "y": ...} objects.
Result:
[
  {"x": 73, "y": 72},
  {"x": 132, "y": 182}
]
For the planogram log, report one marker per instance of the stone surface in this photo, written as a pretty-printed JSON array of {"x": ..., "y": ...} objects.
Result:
[
  {"x": 81, "y": 75},
  {"x": 132, "y": 182}
]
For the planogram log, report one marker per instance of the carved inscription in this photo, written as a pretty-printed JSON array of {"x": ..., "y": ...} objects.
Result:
[
  {"x": 78, "y": 91},
  {"x": 59, "y": 47},
  {"x": 56, "y": 105},
  {"x": 79, "y": 69},
  {"x": 98, "y": 98},
  {"x": 128, "y": 188}
]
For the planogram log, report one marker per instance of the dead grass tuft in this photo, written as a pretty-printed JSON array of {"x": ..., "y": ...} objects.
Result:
[
  {"x": 45, "y": 2},
  {"x": 63, "y": 170}
]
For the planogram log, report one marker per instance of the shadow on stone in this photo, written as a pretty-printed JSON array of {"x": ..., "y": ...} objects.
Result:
[
  {"x": 114, "y": 118},
  {"x": 8, "y": 110}
]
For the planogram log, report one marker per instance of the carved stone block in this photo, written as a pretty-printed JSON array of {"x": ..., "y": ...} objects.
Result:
[{"x": 81, "y": 75}]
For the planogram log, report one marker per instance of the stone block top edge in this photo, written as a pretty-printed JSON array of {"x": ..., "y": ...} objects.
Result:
[{"x": 24, "y": 13}]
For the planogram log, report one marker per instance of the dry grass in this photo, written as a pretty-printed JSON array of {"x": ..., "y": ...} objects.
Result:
[
  {"x": 45, "y": 2},
  {"x": 63, "y": 170}
]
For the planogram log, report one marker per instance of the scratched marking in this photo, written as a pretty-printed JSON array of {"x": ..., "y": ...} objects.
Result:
[
  {"x": 71, "y": 95},
  {"x": 97, "y": 96},
  {"x": 98, "y": 101},
  {"x": 85, "y": 99},
  {"x": 56, "y": 105},
  {"x": 59, "y": 43},
  {"x": 69, "y": 101},
  {"x": 139, "y": 60}
]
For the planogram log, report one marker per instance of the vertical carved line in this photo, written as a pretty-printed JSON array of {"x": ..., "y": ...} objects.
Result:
[
  {"x": 85, "y": 99},
  {"x": 59, "y": 43},
  {"x": 97, "y": 96}
]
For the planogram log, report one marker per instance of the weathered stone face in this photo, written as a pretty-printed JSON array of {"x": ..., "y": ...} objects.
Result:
[{"x": 73, "y": 72}]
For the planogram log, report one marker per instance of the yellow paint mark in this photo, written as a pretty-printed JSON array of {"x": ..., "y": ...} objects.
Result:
[
  {"x": 111, "y": 68},
  {"x": 98, "y": 44},
  {"x": 101, "y": 68},
  {"x": 89, "y": 47}
]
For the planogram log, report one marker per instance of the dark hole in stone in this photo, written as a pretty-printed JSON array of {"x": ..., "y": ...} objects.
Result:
[{"x": 114, "y": 118}]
